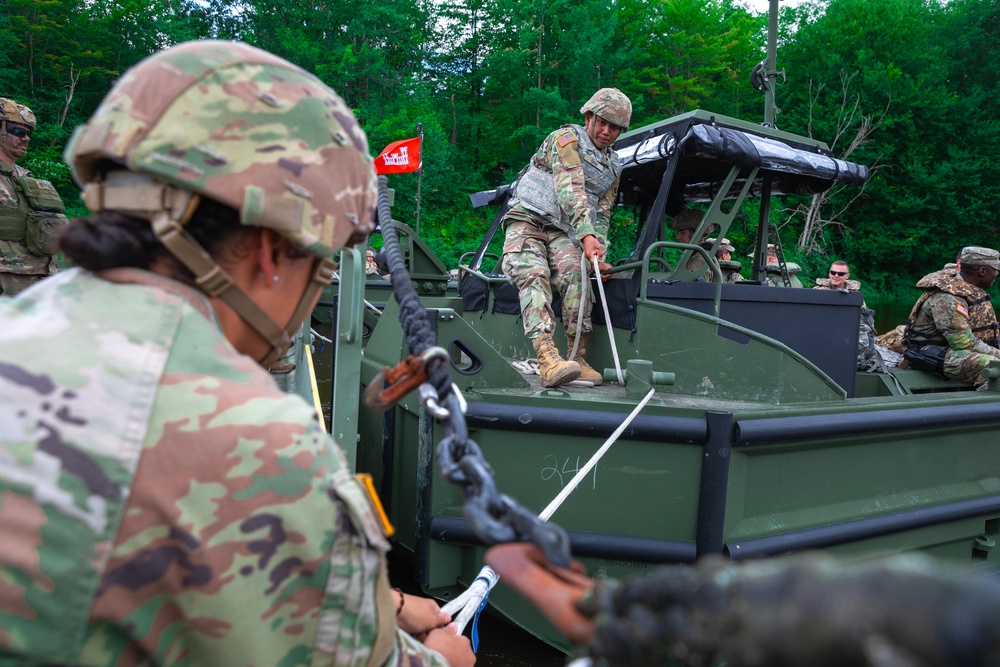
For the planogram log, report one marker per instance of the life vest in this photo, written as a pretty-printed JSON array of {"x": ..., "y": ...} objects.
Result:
[
  {"x": 982, "y": 317},
  {"x": 535, "y": 189}
]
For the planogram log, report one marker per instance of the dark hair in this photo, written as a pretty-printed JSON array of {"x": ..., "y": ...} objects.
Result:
[{"x": 109, "y": 239}]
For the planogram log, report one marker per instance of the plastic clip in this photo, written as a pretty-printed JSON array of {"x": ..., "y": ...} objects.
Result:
[{"x": 402, "y": 378}]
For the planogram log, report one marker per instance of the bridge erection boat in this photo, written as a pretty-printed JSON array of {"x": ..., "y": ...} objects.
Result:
[{"x": 760, "y": 438}]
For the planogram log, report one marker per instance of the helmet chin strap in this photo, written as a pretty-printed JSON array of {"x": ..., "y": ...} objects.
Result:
[{"x": 169, "y": 209}]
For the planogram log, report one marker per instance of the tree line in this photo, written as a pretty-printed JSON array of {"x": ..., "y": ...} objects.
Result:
[{"x": 908, "y": 87}]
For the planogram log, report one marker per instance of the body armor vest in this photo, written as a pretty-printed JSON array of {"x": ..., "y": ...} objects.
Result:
[
  {"x": 36, "y": 218},
  {"x": 982, "y": 317},
  {"x": 535, "y": 189}
]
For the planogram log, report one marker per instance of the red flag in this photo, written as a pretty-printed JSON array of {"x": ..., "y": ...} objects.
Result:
[{"x": 399, "y": 157}]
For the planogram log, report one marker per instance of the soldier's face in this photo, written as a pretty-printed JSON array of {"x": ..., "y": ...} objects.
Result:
[
  {"x": 838, "y": 276},
  {"x": 684, "y": 235},
  {"x": 601, "y": 132},
  {"x": 15, "y": 142}
]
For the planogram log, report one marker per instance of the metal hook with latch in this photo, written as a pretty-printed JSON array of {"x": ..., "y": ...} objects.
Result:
[{"x": 402, "y": 378}]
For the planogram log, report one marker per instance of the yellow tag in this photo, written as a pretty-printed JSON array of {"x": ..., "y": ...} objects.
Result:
[{"x": 369, "y": 486}]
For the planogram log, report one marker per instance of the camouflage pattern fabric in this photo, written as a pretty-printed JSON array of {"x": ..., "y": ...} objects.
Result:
[
  {"x": 982, "y": 316},
  {"x": 162, "y": 502},
  {"x": 941, "y": 318},
  {"x": 538, "y": 257},
  {"x": 731, "y": 270},
  {"x": 893, "y": 340},
  {"x": 849, "y": 285},
  {"x": 560, "y": 155},
  {"x": 260, "y": 135},
  {"x": 16, "y": 262},
  {"x": 535, "y": 260}
]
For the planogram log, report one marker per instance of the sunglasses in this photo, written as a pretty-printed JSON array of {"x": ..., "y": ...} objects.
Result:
[
  {"x": 18, "y": 131},
  {"x": 838, "y": 273}
]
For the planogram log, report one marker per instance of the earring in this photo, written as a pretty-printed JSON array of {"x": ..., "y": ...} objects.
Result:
[{"x": 276, "y": 279}]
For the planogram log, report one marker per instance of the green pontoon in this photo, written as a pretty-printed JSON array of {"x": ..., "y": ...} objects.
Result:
[{"x": 761, "y": 436}]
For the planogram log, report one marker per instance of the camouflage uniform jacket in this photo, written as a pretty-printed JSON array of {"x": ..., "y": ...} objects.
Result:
[
  {"x": 14, "y": 255},
  {"x": 162, "y": 502},
  {"x": 584, "y": 182},
  {"x": 952, "y": 313}
]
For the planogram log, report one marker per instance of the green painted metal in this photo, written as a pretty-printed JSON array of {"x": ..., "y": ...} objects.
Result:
[{"x": 749, "y": 446}]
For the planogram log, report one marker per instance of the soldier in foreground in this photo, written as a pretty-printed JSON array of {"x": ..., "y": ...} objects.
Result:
[
  {"x": 31, "y": 212},
  {"x": 162, "y": 502},
  {"x": 561, "y": 209},
  {"x": 939, "y": 334}
]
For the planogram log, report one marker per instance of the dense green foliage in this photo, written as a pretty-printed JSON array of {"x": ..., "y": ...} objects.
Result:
[{"x": 487, "y": 79}]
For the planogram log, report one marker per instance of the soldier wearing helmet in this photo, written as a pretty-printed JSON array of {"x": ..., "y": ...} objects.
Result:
[
  {"x": 161, "y": 499},
  {"x": 561, "y": 209},
  {"x": 31, "y": 212}
]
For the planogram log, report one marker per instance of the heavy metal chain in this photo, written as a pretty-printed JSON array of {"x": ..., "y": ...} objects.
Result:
[{"x": 495, "y": 517}]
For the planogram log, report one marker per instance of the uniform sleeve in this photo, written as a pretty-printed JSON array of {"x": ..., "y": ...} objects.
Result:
[
  {"x": 567, "y": 172},
  {"x": 245, "y": 542},
  {"x": 951, "y": 317}
]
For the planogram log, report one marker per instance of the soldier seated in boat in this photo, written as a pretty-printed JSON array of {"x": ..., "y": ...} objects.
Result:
[
  {"x": 560, "y": 210},
  {"x": 952, "y": 329},
  {"x": 838, "y": 278},
  {"x": 724, "y": 256},
  {"x": 162, "y": 501},
  {"x": 684, "y": 225}
]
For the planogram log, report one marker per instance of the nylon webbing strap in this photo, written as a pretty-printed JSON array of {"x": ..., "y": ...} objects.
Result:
[{"x": 214, "y": 281}]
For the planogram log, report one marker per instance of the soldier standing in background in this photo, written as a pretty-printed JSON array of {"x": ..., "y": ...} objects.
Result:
[
  {"x": 939, "y": 334},
  {"x": 560, "y": 209},
  {"x": 162, "y": 501},
  {"x": 31, "y": 213}
]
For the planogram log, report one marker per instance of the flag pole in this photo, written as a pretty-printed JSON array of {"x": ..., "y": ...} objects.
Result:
[{"x": 420, "y": 174}]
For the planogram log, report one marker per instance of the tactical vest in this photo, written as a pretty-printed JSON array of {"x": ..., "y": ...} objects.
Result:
[
  {"x": 982, "y": 317},
  {"x": 535, "y": 190},
  {"x": 37, "y": 218}
]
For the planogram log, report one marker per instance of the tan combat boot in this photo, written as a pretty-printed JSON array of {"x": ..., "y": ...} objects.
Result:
[
  {"x": 587, "y": 372},
  {"x": 554, "y": 369}
]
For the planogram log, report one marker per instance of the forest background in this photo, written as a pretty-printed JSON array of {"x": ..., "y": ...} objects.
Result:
[{"x": 908, "y": 87}]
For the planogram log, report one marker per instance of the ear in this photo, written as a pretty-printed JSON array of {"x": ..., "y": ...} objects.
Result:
[{"x": 268, "y": 251}]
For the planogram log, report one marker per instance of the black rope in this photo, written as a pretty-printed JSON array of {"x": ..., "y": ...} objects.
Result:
[{"x": 494, "y": 516}]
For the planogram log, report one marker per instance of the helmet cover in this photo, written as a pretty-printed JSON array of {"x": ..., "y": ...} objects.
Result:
[{"x": 243, "y": 127}]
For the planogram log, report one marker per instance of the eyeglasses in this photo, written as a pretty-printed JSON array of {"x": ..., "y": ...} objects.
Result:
[
  {"x": 18, "y": 131},
  {"x": 838, "y": 273}
]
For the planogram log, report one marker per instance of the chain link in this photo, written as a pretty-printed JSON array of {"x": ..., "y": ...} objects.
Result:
[{"x": 495, "y": 517}]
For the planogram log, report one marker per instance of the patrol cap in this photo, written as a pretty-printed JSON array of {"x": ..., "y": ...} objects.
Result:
[
  {"x": 980, "y": 256},
  {"x": 771, "y": 251},
  {"x": 724, "y": 245},
  {"x": 689, "y": 218}
]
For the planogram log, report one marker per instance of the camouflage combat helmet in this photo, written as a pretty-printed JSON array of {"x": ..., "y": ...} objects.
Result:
[
  {"x": 245, "y": 128},
  {"x": 15, "y": 113},
  {"x": 689, "y": 218},
  {"x": 612, "y": 105}
]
